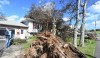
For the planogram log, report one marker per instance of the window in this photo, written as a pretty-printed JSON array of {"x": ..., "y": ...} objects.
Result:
[
  {"x": 18, "y": 33},
  {"x": 21, "y": 31}
]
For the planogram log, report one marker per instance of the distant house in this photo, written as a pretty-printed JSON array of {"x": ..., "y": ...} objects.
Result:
[
  {"x": 19, "y": 30},
  {"x": 33, "y": 26}
]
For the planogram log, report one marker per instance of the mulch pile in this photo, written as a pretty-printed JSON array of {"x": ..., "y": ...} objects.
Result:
[{"x": 49, "y": 46}]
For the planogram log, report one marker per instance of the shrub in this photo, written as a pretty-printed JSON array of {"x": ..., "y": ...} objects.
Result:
[{"x": 18, "y": 41}]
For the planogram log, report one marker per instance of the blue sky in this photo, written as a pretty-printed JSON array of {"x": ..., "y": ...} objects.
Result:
[{"x": 16, "y": 9}]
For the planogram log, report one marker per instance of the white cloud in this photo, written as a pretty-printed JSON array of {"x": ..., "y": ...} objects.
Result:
[
  {"x": 4, "y": 2},
  {"x": 93, "y": 12},
  {"x": 88, "y": 14},
  {"x": 13, "y": 17},
  {"x": 21, "y": 19},
  {"x": 95, "y": 8},
  {"x": 65, "y": 19},
  {"x": 92, "y": 25},
  {"x": 92, "y": 16},
  {"x": 97, "y": 23}
]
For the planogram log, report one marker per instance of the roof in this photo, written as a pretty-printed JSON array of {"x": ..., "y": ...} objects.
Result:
[
  {"x": 29, "y": 20},
  {"x": 12, "y": 23}
]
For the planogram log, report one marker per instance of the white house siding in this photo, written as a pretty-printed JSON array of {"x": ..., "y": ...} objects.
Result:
[
  {"x": 20, "y": 35},
  {"x": 17, "y": 33},
  {"x": 33, "y": 27},
  {"x": 30, "y": 27},
  {"x": 24, "y": 34}
]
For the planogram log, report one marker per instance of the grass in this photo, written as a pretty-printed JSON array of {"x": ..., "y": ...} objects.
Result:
[
  {"x": 29, "y": 41},
  {"x": 89, "y": 48},
  {"x": 98, "y": 32}
]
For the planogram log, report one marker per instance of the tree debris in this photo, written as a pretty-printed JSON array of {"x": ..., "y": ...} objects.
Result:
[
  {"x": 49, "y": 46},
  {"x": 91, "y": 36}
]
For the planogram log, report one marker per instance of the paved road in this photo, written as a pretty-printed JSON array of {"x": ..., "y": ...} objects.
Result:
[
  {"x": 2, "y": 46},
  {"x": 97, "y": 49}
]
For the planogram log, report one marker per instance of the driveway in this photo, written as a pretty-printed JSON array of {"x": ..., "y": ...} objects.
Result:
[
  {"x": 14, "y": 51},
  {"x": 2, "y": 43},
  {"x": 2, "y": 46}
]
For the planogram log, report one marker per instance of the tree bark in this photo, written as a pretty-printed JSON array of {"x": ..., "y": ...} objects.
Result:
[
  {"x": 82, "y": 35},
  {"x": 76, "y": 24},
  {"x": 54, "y": 26}
]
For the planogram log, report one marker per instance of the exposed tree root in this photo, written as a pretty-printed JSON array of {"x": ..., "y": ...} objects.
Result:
[{"x": 49, "y": 46}]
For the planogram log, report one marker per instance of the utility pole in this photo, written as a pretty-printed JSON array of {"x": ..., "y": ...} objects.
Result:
[{"x": 95, "y": 28}]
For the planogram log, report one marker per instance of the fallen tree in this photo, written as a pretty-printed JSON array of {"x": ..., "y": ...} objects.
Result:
[
  {"x": 91, "y": 36},
  {"x": 49, "y": 46}
]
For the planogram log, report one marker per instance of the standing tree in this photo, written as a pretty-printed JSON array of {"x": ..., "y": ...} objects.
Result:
[
  {"x": 57, "y": 15},
  {"x": 82, "y": 34},
  {"x": 76, "y": 23},
  {"x": 72, "y": 9},
  {"x": 53, "y": 14}
]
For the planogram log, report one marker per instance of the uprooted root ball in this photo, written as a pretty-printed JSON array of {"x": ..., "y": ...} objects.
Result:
[{"x": 49, "y": 46}]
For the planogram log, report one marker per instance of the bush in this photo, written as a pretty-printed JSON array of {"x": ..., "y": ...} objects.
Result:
[{"x": 18, "y": 41}]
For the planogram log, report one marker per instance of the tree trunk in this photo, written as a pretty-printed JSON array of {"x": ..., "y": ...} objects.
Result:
[
  {"x": 54, "y": 26},
  {"x": 76, "y": 24},
  {"x": 82, "y": 35}
]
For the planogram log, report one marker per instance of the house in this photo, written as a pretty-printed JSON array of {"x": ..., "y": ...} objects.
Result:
[
  {"x": 33, "y": 26},
  {"x": 19, "y": 30}
]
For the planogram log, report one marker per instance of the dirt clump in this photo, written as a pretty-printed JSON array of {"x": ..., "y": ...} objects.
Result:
[{"x": 48, "y": 45}]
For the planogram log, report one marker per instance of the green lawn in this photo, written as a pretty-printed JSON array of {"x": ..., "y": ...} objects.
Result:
[
  {"x": 98, "y": 32},
  {"x": 29, "y": 41},
  {"x": 89, "y": 48}
]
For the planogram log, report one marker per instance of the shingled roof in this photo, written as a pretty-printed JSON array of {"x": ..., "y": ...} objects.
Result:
[{"x": 12, "y": 23}]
